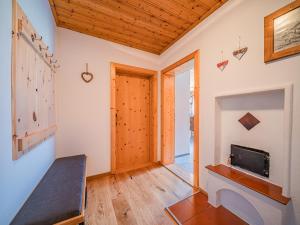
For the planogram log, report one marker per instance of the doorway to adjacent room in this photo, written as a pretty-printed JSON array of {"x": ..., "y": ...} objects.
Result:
[{"x": 180, "y": 118}]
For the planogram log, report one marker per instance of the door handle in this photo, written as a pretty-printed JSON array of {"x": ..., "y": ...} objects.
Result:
[{"x": 116, "y": 119}]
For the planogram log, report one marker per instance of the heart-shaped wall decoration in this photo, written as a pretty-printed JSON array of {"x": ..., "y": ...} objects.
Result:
[
  {"x": 240, "y": 53},
  {"x": 87, "y": 77},
  {"x": 222, "y": 65}
]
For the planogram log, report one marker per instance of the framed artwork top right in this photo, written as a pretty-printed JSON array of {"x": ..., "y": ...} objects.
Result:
[{"x": 282, "y": 32}]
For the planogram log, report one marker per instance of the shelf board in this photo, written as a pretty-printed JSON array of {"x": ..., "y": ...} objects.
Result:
[{"x": 265, "y": 188}]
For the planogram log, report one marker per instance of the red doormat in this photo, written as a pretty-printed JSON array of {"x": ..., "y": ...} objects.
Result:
[{"x": 195, "y": 210}]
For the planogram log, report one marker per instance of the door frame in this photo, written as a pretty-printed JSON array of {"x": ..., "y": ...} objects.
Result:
[
  {"x": 170, "y": 132},
  {"x": 117, "y": 68}
]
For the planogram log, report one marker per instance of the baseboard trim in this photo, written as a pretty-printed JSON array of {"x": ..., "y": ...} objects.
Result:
[
  {"x": 134, "y": 168},
  {"x": 97, "y": 176}
]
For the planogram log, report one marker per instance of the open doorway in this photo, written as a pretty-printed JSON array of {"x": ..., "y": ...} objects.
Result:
[
  {"x": 184, "y": 121},
  {"x": 180, "y": 118}
]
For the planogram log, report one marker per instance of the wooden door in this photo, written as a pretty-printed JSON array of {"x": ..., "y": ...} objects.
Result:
[
  {"x": 132, "y": 122},
  {"x": 168, "y": 118}
]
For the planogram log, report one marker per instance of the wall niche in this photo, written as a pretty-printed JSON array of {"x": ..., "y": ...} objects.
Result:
[{"x": 273, "y": 108}]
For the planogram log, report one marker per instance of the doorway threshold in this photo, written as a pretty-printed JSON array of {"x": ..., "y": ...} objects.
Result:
[{"x": 181, "y": 173}]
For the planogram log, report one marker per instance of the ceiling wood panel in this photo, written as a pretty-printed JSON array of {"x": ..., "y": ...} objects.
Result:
[
  {"x": 87, "y": 31},
  {"x": 138, "y": 15},
  {"x": 113, "y": 34},
  {"x": 115, "y": 14},
  {"x": 148, "y": 25},
  {"x": 65, "y": 16},
  {"x": 159, "y": 13},
  {"x": 116, "y": 23},
  {"x": 175, "y": 8},
  {"x": 197, "y": 7}
]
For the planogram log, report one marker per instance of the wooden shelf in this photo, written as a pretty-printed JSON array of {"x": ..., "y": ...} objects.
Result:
[{"x": 260, "y": 186}]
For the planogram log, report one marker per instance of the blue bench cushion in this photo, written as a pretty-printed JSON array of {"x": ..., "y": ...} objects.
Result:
[{"x": 58, "y": 196}]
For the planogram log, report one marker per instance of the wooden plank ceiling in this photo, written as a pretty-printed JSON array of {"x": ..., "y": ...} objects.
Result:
[{"x": 149, "y": 25}]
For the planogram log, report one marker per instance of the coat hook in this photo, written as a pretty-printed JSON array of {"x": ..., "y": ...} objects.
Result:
[
  {"x": 53, "y": 61},
  {"x": 49, "y": 56},
  {"x": 56, "y": 66},
  {"x": 36, "y": 37},
  {"x": 42, "y": 48}
]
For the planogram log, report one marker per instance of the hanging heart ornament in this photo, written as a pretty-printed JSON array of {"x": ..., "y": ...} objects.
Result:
[
  {"x": 222, "y": 65},
  {"x": 240, "y": 53},
  {"x": 87, "y": 77}
]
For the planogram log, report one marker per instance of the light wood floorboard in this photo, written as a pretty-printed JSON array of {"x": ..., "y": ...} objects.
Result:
[{"x": 134, "y": 198}]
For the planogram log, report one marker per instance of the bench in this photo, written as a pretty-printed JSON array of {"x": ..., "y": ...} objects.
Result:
[{"x": 60, "y": 196}]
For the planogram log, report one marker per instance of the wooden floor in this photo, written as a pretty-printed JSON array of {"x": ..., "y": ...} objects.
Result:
[
  {"x": 183, "y": 165},
  {"x": 181, "y": 172},
  {"x": 195, "y": 210},
  {"x": 137, "y": 197}
]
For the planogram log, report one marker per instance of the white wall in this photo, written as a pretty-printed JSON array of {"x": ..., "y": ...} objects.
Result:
[
  {"x": 84, "y": 109},
  {"x": 18, "y": 178},
  {"x": 182, "y": 113},
  {"x": 220, "y": 32}
]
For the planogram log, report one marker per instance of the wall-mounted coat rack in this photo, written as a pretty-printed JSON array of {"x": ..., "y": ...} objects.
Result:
[{"x": 33, "y": 94}]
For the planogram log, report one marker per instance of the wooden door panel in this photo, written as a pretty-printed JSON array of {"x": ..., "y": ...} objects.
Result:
[
  {"x": 133, "y": 122},
  {"x": 168, "y": 119}
]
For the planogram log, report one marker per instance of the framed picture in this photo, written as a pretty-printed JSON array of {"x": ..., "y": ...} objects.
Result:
[{"x": 282, "y": 32}]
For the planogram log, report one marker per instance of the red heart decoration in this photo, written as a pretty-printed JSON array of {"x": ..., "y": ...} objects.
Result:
[{"x": 222, "y": 65}]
